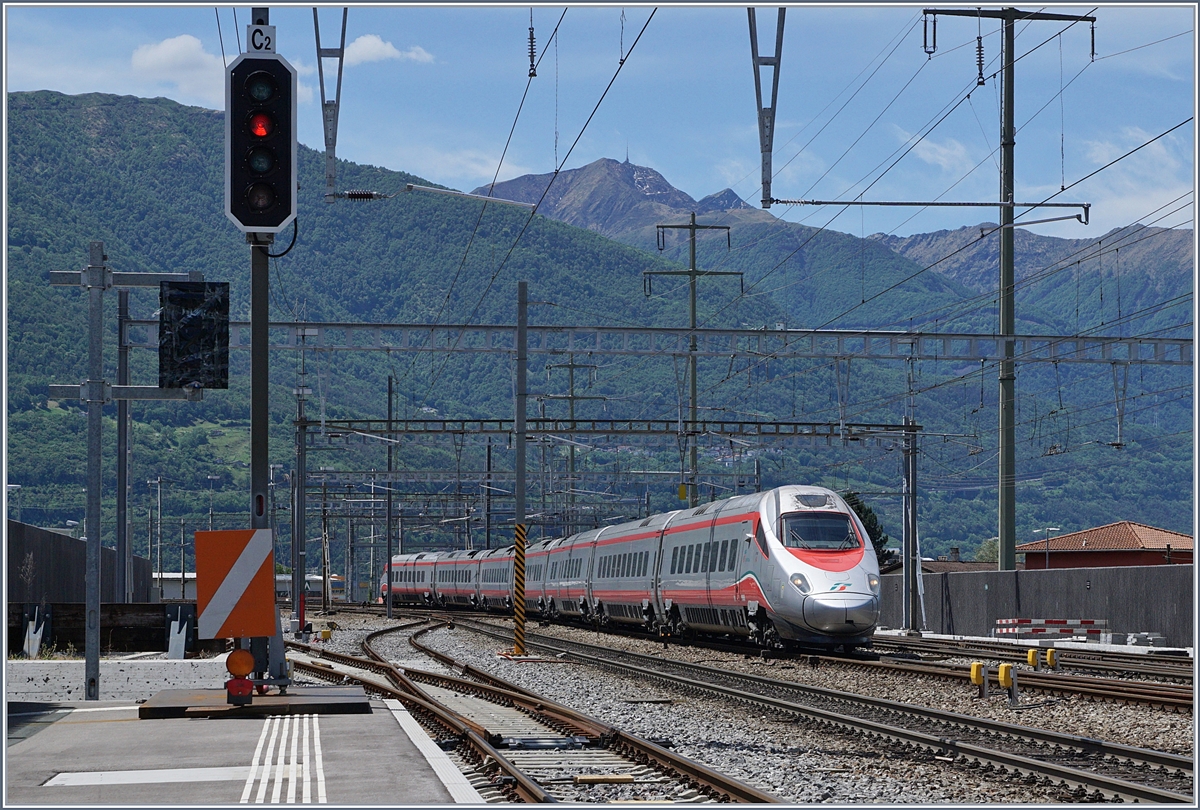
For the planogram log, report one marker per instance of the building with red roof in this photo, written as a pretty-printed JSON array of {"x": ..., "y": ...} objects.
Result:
[{"x": 1117, "y": 544}]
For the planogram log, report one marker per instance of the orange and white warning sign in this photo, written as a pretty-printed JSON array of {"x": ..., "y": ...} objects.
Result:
[{"x": 235, "y": 583}]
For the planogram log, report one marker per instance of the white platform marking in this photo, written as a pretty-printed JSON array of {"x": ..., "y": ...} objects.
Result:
[
  {"x": 148, "y": 777},
  {"x": 320, "y": 763},
  {"x": 456, "y": 783},
  {"x": 291, "y": 764},
  {"x": 254, "y": 763},
  {"x": 266, "y": 772},
  {"x": 279, "y": 761}
]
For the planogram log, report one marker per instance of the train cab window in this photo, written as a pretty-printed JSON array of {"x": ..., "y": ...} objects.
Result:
[{"x": 822, "y": 532}]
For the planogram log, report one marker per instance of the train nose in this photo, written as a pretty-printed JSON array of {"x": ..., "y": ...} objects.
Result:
[{"x": 841, "y": 612}]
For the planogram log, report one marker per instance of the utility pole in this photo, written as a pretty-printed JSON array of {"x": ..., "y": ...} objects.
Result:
[
  {"x": 570, "y": 366},
  {"x": 351, "y": 589},
  {"x": 387, "y": 566},
  {"x": 487, "y": 499},
  {"x": 299, "y": 504},
  {"x": 1007, "y": 511},
  {"x": 519, "y": 488},
  {"x": 158, "y": 545},
  {"x": 274, "y": 505},
  {"x": 182, "y": 560},
  {"x": 692, "y": 273},
  {"x": 324, "y": 549},
  {"x": 124, "y": 555},
  {"x": 97, "y": 277},
  {"x": 766, "y": 115},
  {"x": 911, "y": 550}
]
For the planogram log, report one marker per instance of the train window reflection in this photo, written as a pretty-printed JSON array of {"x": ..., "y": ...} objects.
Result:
[{"x": 828, "y": 532}]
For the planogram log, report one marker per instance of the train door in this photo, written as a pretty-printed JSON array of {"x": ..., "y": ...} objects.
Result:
[
  {"x": 744, "y": 540},
  {"x": 708, "y": 560},
  {"x": 662, "y": 568}
]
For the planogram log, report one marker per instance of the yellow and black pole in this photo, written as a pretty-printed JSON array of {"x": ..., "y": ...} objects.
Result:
[
  {"x": 519, "y": 593},
  {"x": 519, "y": 466}
]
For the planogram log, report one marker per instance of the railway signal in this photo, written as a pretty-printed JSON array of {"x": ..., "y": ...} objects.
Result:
[{"x": 260, "y": 142}]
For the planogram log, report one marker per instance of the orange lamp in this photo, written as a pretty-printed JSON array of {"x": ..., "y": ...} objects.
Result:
[{"x": 240, "y": 663}]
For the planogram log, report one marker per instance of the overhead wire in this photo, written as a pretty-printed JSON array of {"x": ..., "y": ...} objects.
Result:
[{"x": 533, "y": 213}]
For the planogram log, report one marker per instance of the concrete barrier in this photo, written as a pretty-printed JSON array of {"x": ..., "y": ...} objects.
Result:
[{"x": 49, "y": 681}]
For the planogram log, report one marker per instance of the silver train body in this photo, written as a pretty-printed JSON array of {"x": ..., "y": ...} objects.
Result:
[{"x": 793, "y": 564}]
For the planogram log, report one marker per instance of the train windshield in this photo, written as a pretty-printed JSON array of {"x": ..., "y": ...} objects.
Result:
[{"x": 821, "y": 532}]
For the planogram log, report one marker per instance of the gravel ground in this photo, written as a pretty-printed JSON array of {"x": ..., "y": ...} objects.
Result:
[
  {"x": 1139, "y": 726},
  {"x": 786, "y": 757}
]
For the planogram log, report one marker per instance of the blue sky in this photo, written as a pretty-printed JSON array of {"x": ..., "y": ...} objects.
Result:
[{"x": 434, "y": 91}]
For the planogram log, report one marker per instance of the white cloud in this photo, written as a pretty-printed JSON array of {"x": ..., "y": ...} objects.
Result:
[
  {"x": 182, "y": 61},
  {"x": 371, "y": 48},
  {"x": 950, "y": 155},
  {"x": 1133, "y": 188},
  {"x": 463, "y": 169},
  {"x": 302, "y": 68}
]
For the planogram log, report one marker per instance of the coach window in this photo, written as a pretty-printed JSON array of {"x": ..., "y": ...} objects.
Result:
[{"x": 687, "y": 566}]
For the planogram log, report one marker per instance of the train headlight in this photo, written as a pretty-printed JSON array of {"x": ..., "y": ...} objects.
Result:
[
  {"x": 801, "y": 583},
  {"x": 873, "y": 582}
]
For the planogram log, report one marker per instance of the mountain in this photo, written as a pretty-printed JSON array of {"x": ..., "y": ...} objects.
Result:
[
  {"x": 620, "y": 200},
  {"x": 145, "y": 176},
  {"x": 818, "y": 277},
  {"x": 1078, "y": 283}
]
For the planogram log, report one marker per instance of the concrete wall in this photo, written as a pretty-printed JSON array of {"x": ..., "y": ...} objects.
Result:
[
  {"x": 60, "y": 567},
  {"x": 1155, "y": 599}
]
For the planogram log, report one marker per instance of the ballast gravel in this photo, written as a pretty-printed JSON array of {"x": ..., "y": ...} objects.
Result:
[{"x": 789, "y": 758}]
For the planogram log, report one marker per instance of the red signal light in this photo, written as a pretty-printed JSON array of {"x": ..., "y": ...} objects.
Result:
[{"x": 261, "y": 125}]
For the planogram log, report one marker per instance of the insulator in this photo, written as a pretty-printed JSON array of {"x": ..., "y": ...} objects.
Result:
[
  {"x": 532, "y": 54},
  {"x": 979, "y": 59},
  {"x": 362, "y": 194}
]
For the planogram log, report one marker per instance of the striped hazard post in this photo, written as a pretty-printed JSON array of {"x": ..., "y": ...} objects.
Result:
[
  {"x": 235, "y": 583},
  {"x": 519, "y": 593}
]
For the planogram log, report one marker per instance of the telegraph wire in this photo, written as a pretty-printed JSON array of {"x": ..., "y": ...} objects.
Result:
[
  {"x": 533, "y": 213},
  {"x": 1147, "y": 45},
  {"x": 491, "y": 186},
  {"x": 221, "y": 38}
]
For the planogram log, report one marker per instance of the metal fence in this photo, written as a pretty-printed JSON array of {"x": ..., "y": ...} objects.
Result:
[
  {"x": 1135, "y": 599},
  {"x": 44, "y": 566}
]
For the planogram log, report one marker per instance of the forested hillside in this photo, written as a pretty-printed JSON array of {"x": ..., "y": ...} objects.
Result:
[{"x": 144, "y": 176}]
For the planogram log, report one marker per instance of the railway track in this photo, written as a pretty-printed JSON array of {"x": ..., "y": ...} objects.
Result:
[
  {"x": 528, "y": 748},
  {"x": 1165, "y": 696},
  {"x": 1175, "y": 668},
  {"x": 1177, "y": 697},
  {"x": 1089, "y": 768}
]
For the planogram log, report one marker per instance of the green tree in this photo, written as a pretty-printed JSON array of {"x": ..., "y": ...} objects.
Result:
[
  {"x": 988, "y": 551},
  {"x": 870, "y": 522}
]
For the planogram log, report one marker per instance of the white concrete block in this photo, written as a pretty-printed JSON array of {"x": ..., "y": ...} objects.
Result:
[{"x": 41, "y": 681}]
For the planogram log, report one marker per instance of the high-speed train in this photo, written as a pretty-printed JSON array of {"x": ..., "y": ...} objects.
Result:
[{"x": 789, "y": 565}]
